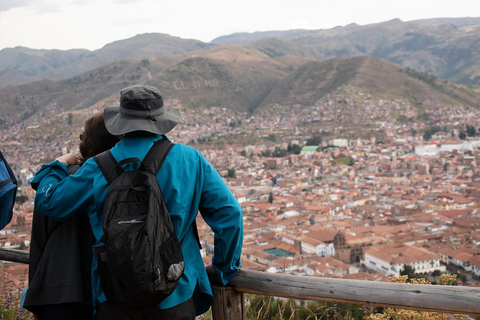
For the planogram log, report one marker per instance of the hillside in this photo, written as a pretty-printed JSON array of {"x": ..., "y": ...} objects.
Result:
[
  {"x": 22, "y": 65},
  {"x": 372, "y": 76},
  {"x": 235, "y": 78},
  {"x": 227, "y": 76},
  {"x": 445, "y": 48},
  {"x": 275, "y": 47}
]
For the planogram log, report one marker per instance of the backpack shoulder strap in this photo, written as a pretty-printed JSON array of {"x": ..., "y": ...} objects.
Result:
[
  {"x": 153, "y": 162},
  {"x": 156, "y": 155},
  {"x": 107, "y": 164}
]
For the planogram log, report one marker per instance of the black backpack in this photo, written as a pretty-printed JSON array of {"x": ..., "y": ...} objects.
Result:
[
  {"x": 8, "y": 191},
  {"x": 140, "y": 261}
]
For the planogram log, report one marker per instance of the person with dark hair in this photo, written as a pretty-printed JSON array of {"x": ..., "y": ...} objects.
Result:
[
  {"x": 95, "y": 138},
  {"x": 189, "y": 184},
  {"x": 61, "y": 252}
]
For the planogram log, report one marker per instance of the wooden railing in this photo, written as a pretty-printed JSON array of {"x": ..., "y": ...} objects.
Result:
[
  {"x": 229, "y": 300},
  {"x": 229, "y": 304},
  {"x": 14, "y": 255}
]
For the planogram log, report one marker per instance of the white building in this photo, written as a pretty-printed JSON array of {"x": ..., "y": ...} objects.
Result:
[
  {"x": 433, "y": 149},
  {"x": 312, "y": 246},
  {"x": 456, "y": 257},
  {"x": 391, "y": 259},
  {"x": 427, "y": 150},
  {"x": 475, "y": 262},
  {"x": 325, "y": 250},
  {"x": 340, "y": 142}
]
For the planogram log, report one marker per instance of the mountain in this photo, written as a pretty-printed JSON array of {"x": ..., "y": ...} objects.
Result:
[
  {"x": 226, "y": 76},
  {"x": 275, "y": 47},
  {"x": 244, "y": 38},
  {"x": 240, "y": 79},
  {"x": 457, "y": 22},
  {"x": 22, "y": 65},
  {"x": 448, "y": 48},
  {"x": 445, "y": 48},
  {"x": 375, "y": 77}
]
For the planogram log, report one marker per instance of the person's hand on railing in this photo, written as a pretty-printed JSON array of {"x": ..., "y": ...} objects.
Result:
[{"x": 210, "y": 269}]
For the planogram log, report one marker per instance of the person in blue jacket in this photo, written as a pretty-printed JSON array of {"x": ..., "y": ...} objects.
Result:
[{"x": 189, "y": 184}]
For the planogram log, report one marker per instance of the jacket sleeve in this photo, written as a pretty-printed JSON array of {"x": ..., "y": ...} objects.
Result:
[
  {"x": 222, "y": 212},
  {"x": 59, "y": 195}
]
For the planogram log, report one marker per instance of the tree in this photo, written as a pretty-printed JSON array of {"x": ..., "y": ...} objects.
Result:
[
  {"x": 314, "y": 141},
  {"x": 296, "y": 149},
  {"x": 462, "y": 135},
  {"x": 461, "y": 277},
  {"x": 471, "y": 131},
  {"x": 436, "y": 273},
  {"x": 430, "y": 131},
  {"x": 231, "y": 173},
  {"x": 270, "y": 198},
  {"x": 408, "y": 271},
  {"x": 427, "y": 135},
  {"x": 402, "y": 119}
]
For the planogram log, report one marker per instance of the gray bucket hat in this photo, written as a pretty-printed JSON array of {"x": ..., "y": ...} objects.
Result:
[{"x": 141, "y": 109}]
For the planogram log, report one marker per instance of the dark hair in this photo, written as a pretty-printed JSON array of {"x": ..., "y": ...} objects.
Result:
[{"x": 96, "y": 138}]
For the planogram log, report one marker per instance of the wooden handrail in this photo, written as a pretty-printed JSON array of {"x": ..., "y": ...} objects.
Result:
[
  {"x": 229, "y": 304},
  {"x": 448, "y": 299},
  {"x": 14, "y": 255}
]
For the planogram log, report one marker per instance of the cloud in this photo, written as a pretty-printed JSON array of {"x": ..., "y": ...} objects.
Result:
[
  {"x": 37, "y": 6},
  {"x": 10, "y": 4},
  {"x": 42, "y": 6}
]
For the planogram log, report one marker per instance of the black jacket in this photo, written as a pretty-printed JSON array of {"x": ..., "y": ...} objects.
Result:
[{"x": 60, "y": 261}]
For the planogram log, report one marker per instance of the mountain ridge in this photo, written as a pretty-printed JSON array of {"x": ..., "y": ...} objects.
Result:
[
  {"x": 27, "y": 65},
  {"x": 447, "y": 48}
]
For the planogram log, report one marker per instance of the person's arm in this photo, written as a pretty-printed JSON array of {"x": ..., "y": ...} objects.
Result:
[
  {"x": 222, "y": 212},
  {"x": 59, "y": 195}
]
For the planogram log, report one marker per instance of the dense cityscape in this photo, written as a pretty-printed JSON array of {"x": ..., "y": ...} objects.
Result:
[{"x": 351, "y": 187}]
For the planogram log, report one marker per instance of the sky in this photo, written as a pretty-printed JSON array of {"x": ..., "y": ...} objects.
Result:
[{"x": 91, "y": 24}]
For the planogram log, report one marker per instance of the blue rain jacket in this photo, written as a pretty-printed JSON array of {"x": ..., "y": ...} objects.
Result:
[{"x": 189, "y": 184}]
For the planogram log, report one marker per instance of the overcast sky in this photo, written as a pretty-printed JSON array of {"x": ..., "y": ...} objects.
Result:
[{"x": 91, "y": 24}]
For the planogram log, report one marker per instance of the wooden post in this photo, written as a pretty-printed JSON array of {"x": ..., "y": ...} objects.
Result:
[{"x": 227, "y": 304}]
